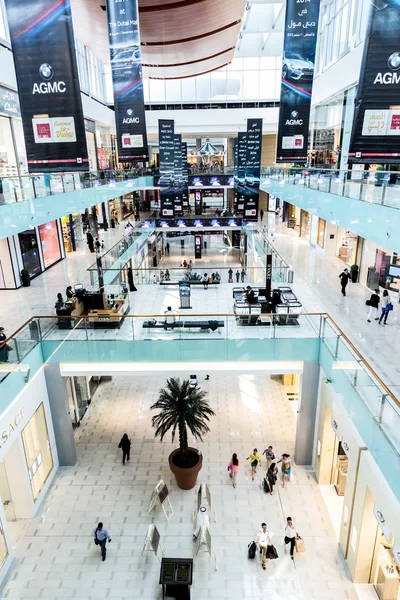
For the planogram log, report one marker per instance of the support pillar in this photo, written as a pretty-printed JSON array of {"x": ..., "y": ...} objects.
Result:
[{"x": 307, "y": 413}]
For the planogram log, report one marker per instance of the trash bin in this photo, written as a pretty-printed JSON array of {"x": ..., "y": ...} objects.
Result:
[
  {"x": 112, "y": 223},
  {"x": 205, "y": 245},
  {"x": 290, "y": 276},
  {"x": 25, "y": 278}
]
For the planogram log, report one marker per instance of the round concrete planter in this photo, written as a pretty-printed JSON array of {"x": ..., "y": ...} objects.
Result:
[{"x": 186, "y": 478}]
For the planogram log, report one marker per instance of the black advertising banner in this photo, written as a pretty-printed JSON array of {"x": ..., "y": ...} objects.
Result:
[
  {"x": 211, "y": 181},
  {"x": 376, "y": 125},
  {"x": 166, "y": 145},
  {"x": 185, "y": 176},
  {"x": 235, "y": 172},
  {"x": 178, "y": 179},
  {"x": 126, "y": 68},
  {"x": 253, "y": 168},
  {"x": 300, "y": 39},
  {"x": 44, "y": 55},
  {"x": 241, "y": 172}
]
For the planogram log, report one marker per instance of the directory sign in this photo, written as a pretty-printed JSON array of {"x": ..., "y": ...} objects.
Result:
[
  {"x": 126, "y": 68},
  {"x": 42, "y": 39},
  {"x": 166, "y": 144},
  {"x": 300, "y": 39},
  {"x": 241, "y": 171},
  {"x": 376, "y": 125},
  {"x": 253, "y": 168}
]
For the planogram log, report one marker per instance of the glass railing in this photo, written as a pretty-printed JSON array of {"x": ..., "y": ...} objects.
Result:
[
  {"x": 377, "y": 187},
  {"x": 287, "y": 335},
  {"x": 28, "y": 187}
]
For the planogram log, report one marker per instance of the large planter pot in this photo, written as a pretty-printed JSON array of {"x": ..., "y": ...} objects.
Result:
[{"x": 186, "y": 478}]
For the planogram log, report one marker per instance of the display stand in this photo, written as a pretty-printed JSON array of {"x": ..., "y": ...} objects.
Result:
[
  {"x": 204, "y": 490},
  {"x": 176, "y": 576},
  {"x": 184, "y": 294},
  {"x": 204, "y": 537},
  {"x": 160, "y": 497},
  {"x": 152, "y": 543}
]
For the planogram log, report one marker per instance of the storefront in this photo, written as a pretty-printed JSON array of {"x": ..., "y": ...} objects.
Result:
[
  {"x": 317, "y": 233},
  {"x": 72, "y": 230},
  {"x": 292, "y": 215},
  {"x": 326, "y": 126},
  {"x": 379, "y": 267},
  {"x": 50, "y": 243},
  {"x": 305, "y": 225},
  {"x": 348, "y": 247},
  {"x": 12, "y": 147}
]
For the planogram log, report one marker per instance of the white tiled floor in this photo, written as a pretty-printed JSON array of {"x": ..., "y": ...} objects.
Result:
[{"x": 57, "y": 558}]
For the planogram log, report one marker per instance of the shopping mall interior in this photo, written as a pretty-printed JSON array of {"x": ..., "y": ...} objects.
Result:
[{"x": 199, "y": 248}]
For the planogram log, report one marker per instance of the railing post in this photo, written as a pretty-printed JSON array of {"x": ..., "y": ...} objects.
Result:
[
  {"x": 383, "y": 194},
  {"x": 380, "y": 416},
  {"x": 39, "y": 330},
  {"x": 322, "y": 321},
  {"x": 337, "y": 346},
  {"x": 86, "y": 331},
  {"x": 361, "y": 189},
  {"x": 344, "y": 183}
]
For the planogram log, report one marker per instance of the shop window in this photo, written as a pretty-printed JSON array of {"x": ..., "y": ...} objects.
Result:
[
  {"x": 48, "y": 234},
  {"x": 321, "y": 233},
  {"x": 30, "y": 252},
  {"x": 3, "y": 545},
  {"x": 38, "y": 456}
]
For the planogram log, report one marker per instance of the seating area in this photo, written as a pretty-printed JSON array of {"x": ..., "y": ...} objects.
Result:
[
  {"x": 283, "y": 307},
  {"x": 205, "y": 325}
]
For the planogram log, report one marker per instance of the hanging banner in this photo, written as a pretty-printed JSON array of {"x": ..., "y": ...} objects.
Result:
[
  {"x": 178, "y": 179},
  {"x": 241, "y": 172},
  {"x": 253, "y": 168},
  {"x": 43, "y": 46},
  {"x": 376, "y": 124},
  {"x": 300, "y": 39},
  {"x": 235, "y": 173},
  {"x": 166, "y": 145},
  {"x": 126, "y": 68},
  {"x": 185, "y": 177}
]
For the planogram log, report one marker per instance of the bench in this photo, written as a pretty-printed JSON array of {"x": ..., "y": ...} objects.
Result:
[
  {"x": 212, "y": 324},
  {"x": 185, "y": 281}
]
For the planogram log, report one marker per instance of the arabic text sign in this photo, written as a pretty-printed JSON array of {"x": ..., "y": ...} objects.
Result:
[{"x": 9, "y": 102}]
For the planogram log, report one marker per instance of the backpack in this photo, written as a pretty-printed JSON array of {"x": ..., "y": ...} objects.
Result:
[
  {"x": 266, "y": 486},
  {"x": 252, "y": 547}
]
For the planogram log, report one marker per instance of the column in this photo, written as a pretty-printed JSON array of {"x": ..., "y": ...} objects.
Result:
[{"x": 306, "y": 417}]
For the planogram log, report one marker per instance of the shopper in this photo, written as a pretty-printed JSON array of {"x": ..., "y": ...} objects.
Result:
[
  {"x": 269, "y": 455},
  {"x": 169, "y": 316},
  {"x": 190, "y": 264},
  {"x": 237, "y": 275},
  {"x": 4, "y": 349},
  {"x": 60, "y": 301},
  {"x": 69, "y": 293},
  {"x": 373, "y": 304},
  {"x": 90, "y": 241},
  {"x": 167, "y": 248},
  {"x": 263, "y": 541},
  {"x": 101, "y": 536},
  {"x": 387, "y": 306},
  {"x": 250, "y": 296},
  {"x": 125, "y": 445},
  {"x": 205, "y": 281},
  {"x": 344, "y": 280},
  {"x": 286, "y": 468},
  {"x": 261, "y": 215},
  {"x": 230, "y": 276},
  {"x": 272, "y": 476},
  {"x": 167, "y": 275},
  {"x": 233, "y": 468},
  {"x": 290, "y": 535},
  {"x": 255, "y": 460},
  {"x": 98, "y": 246},
  {"x": 242, "y": 275}
]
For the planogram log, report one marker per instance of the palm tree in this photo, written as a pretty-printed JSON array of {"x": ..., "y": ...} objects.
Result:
[{"x": 181, "y": 407}]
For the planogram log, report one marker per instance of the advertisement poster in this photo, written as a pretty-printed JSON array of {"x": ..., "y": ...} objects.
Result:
[
  {"x": 300, "y": 39},
  {"x": 179, "y": 182},
  {"x": 235, "y": 172},
  {"x": 376, "y": 124},
  {"x": 126, "y": 68},
  {"x": 43, "y": 46},
  {"x": 253, "y": 168},
  {"x": 211, "y": 181},
  {"x": 185, "y": 176},
  {"x": 241, "y": 172},
  {"x": 166, "y": 144}
]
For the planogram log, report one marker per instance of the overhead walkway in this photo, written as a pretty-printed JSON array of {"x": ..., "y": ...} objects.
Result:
[{"x": 369, "y": 206}]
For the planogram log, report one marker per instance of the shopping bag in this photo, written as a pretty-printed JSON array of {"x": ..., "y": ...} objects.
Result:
[
  {"x": 266, "y": 487},
  {"x": 300, "y": 545},
  {"x": 252, "y": 547}
]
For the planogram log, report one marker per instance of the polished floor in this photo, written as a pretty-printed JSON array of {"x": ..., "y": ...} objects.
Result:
[{"x": 57, "y": 558}]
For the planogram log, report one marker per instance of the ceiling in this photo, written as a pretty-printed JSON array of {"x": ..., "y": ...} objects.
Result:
[
  {"x": 262, "y": 28},
  {"x": 179, "y": 38}
]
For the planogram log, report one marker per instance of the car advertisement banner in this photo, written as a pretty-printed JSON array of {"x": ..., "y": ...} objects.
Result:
[
  {"x": 185, "y": 176},
  {"x": 235, "y": 172},
  {"x": 241, "y": 172},
  {"x": 48, "y": 87},
  {"x": 253, "y": 168},
  {"x": 178, "y": 180},
  {"x": 300, "y": 39},
  {"x": 211, "y": 181},
  {"x": 166, "y": 145},
  {"x": 376, "y": 125},
  {"x": 126, "y": 68}
]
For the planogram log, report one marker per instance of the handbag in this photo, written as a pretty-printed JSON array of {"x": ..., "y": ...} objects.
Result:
[
  {"x": 96, "y": 541},
  {"x": 368, "y": 303},
  {"x": 389, "y": 307},
  {"x": 271, "y": 552}
]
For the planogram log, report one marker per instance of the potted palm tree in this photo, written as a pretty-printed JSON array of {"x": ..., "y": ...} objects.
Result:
[{"x": 182, "y": 407}]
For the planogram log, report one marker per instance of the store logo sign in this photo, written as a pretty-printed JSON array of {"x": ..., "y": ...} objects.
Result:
[
  {"x": 11, "y": 426},
  {"x": 294, "y": 120},
  {"x": 47, "y": 86},
  {"x": 130, "y": 118},
  {"x": 388, "y": 77}
]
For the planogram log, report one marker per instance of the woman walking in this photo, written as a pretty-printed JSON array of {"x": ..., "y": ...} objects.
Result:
[
  {"x": 233, "y": 468},
  {"x": 272, "y": 476},
  {"x": 373, "y": 304},
  {"x": 286, "y": 468},
  {"x": 387, "y": 306},
  {"x": 125, "y": 445},
  {"x": 255, "y": 460}
]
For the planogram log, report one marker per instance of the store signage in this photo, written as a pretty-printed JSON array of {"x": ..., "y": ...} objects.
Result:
[
  {"x": 235, "y": 172},
  {"x": 185, "y": 176},
  {"x": 126, "y": 68},
  {"x": 377, "y": 114},
  {"x": 48, "y": 85},
  {"x": 253, "y": 168},
  {"x": 241, "y": 172},
  {"x": 383, "y": 524},
  {"x": 11, "y": 426},
  {"x": 9, "y": 102},
  {"x": 166, "y": 144},
  {"x": 179, "y": 182},
  {"x": 300, "y": 39}
]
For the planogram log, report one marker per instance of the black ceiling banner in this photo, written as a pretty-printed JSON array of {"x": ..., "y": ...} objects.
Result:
[
  {"x": 376, "y": 125},
  {"x": 241, "y": 172},
  {"x": 185, "y": 176},
  {"x": 235, "y": 171},
  {"x": 300, "y": 39},
  {"x": 253, "y": 168},
  {"x": 178, "y": 178},
  {"x": 43, "y": 46},
  {"x": 166, "y": 145},
  {"x": 126, "y": 68}
]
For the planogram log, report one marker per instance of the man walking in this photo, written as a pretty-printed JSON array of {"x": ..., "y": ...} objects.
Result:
[
  {"x": 261, "y": 215},
  {"x": 290, "y": 535},
  {"x": 344, "y": 280},
  {"x": 101, "y": 536},
  {"x": 242, "y": 275}
]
